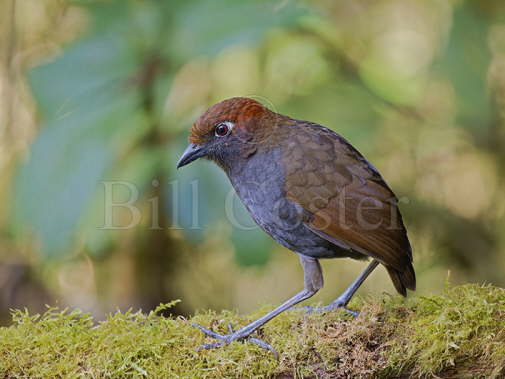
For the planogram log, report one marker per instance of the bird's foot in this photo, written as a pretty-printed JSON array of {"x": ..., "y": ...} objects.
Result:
[
  {"x": 226, "y": 339},
  {"x": 331, "y": 307}
]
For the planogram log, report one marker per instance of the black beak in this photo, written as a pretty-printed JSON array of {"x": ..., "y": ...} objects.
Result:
[{"x": 192, "y": 152}]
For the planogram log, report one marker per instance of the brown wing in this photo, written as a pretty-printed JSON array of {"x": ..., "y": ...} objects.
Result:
[{"x": 345, "y": 199}]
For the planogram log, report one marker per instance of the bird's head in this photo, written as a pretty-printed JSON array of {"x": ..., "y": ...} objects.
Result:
[{"x": 228, "y": 130}]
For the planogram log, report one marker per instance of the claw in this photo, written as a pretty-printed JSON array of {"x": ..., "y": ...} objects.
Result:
[
  {"x": 265, "y": 346},
  {"x": 354, "y": 314}
]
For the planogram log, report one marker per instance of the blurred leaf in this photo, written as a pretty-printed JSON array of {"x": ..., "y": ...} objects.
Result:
[
  {"x": 87, "y": 102},
  {"x": 66, "y": 163},
  {"x": 465, "y": 63},
  {"x": 390, "y": 85},
  {"x": 206, "y": 27},
  {"x": 88, "y": 73}
]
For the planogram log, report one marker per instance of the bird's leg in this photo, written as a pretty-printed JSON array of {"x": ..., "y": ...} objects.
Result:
[
  {"x": 313, "y": 280},
  {"x": 346, "y": 296}
]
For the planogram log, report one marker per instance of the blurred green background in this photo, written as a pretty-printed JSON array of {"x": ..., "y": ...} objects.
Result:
[{"x": 101, "y": 92}]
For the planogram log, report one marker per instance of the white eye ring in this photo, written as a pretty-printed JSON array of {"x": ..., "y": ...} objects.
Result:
[{"x": 224, "y": 128}]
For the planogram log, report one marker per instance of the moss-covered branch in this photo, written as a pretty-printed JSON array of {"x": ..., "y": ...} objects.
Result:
[{"x": 458, "y": 334}]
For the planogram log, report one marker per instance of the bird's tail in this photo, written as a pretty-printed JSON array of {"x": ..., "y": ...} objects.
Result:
[{"x": 403, "y": 279}]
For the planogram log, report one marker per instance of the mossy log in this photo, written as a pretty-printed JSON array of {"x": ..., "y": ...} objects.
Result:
[{"x": 460, "y": 333}]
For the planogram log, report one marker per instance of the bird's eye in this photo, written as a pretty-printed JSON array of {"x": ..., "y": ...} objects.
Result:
[{"x": 223, "y": 128}]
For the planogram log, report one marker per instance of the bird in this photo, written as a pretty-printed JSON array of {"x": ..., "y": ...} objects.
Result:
[{"x": 311, "y": 191}]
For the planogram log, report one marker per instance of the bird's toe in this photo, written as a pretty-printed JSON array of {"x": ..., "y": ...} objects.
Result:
[
  {"x": 226, "y": 339},
  {"x": 208, "y": 346},
  {"x": 230, "y": 328},
  {"x": 264, "y": 345},
  {"x": 209, "y": 332}
]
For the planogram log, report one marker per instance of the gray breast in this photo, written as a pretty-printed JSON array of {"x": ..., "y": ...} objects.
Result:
[{"x": 259, "y": 183}]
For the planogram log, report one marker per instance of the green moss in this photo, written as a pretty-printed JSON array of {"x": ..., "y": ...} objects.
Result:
[
  {"x": 458, "y": 334},
  {"x": 462, "y": 331}
]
